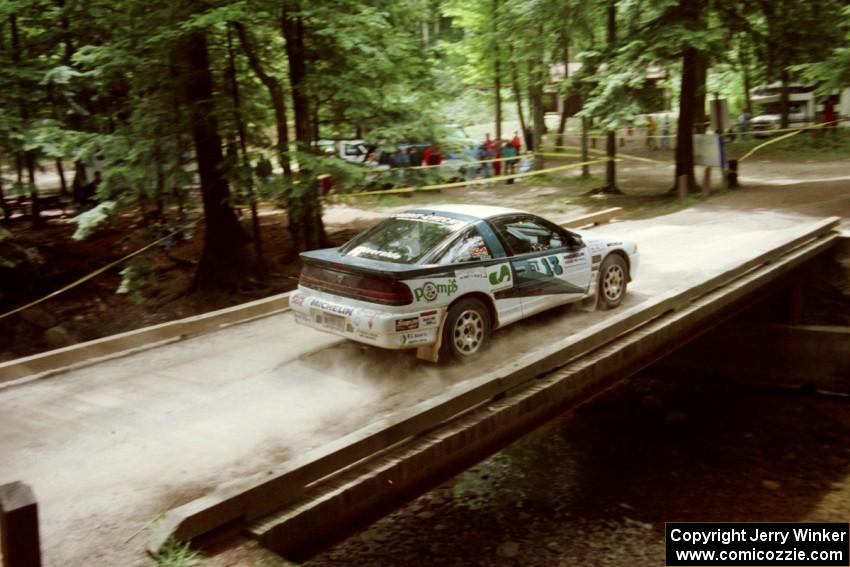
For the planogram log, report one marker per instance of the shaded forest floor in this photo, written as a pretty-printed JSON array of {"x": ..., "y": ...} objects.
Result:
[{"x": 94, "y": 309}]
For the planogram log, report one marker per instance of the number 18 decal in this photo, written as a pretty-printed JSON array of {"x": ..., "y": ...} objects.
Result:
[{"x": 551, "y": 266}]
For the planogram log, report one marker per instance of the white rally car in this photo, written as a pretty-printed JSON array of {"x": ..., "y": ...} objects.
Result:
[{"x": 440, "y": 279}]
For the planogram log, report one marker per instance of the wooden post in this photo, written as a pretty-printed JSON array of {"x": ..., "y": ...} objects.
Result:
[
  {"x": 706, "y": 181},
  {"x": 732, "y": 174},
  {"x": 19, "y": 526}
]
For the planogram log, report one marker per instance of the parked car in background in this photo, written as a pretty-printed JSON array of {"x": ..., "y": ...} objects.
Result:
[
  {"x": 767, "y": 102},
  {"x": 354, "y": 151},
  {"x": 441, "y": 279}
]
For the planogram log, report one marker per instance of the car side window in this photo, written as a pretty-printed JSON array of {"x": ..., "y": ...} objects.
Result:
[
  {"x": 468, "y": 247},
  {"x": 524, "y": 234}
]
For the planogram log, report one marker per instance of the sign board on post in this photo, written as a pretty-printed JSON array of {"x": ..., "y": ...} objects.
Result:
[
  {"x": 720, "y": 110},
  {"x": 708, "y": 150}
]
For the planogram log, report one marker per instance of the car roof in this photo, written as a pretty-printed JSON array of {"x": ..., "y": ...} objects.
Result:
[{"x": 477, "y": 211}]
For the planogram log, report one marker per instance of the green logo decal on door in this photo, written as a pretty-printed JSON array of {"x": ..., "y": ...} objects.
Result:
[{"x": 498, "y": 277}]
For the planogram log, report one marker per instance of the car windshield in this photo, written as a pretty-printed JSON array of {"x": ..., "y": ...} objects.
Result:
[{"x": 403, "y": 239}]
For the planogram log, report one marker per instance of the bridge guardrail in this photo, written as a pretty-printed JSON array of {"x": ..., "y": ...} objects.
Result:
[{"x": 249, "y": 499}]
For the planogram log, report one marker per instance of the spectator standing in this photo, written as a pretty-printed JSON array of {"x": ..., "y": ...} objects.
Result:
[
  {"x": 516, "y": 142},
  {"x": 484, "y": 154},
  {"x": 472, "y": 167},
  {"x": 509, "y": 152},
  {"x": 744, "y": 122},
  {"x": 665, "y": 132},
  {"x": 651, "y": 130},
  {"x": 489, "y": 145},
  {"x": 416, "y": 155},
  {"x": 264, "y": 170},
  {"x": 497, "y": 165},
  {"x": 432, "y": 156},
  {"x": 830, "y": 118}
]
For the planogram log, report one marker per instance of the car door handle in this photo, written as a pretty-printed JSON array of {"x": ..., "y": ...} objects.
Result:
[{"x": 520, "y": 270}]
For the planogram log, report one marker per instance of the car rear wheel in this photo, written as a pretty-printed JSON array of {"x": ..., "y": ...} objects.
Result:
[
  {"x": 466, "y": 331},
  {"x": 613, "y": 278}
]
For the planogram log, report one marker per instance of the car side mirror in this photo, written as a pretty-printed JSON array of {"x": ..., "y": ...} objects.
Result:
[{"x": 574, "y": 240}]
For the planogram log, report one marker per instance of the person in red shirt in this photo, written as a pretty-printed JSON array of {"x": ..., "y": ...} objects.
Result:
[
  {"x": 516, "y": 142},
  {"x": 432, "y": 156},
  {"x": 829, "y": 116}
]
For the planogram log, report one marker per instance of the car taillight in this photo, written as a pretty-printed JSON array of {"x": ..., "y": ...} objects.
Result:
[{"x": 357, "y": 286}]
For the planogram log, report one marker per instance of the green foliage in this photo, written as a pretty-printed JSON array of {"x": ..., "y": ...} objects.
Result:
[
  {"x": 135, "y": 277},
  {"x": 88, "y": 221},
  {"x": 104, "y": 83},
  {"x": 176, "y": 554},
  {"x": 833, "y": 72},
  {"x": 817, "y": 145}
]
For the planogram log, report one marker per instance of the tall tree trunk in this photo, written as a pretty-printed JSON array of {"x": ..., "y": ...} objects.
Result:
[
  {"x": 562, "y": 127},
  {"x": 745, "y": 71},
  {"x": 60, "y": 171},
  {"x": 293, "y": 32},
  {"x": 684, "y": 134},
  {"x": 23, "y": 107},
  {"x": 222, "y": 258},
  {"x": 497, "y": 74},
  {"x": 585, "y": 153},
  {"x": 304, "y": 210},
  {"x": 518, "y": 97},
  {"x": 275, "y": 90},
  {"x": 700, "y": 117},
  {"x": 536, "y": 80},
  {"x": 611, "y": 135},
  {"x": 257, "y": 237},
  {"x": 783, "y": 98},
  {"x": 7, "y": 211}
]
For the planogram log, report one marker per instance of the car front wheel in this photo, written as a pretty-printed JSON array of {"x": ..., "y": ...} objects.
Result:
[
  {"x": 466, "y": 331},
  {"x": 613, "y": 278}
]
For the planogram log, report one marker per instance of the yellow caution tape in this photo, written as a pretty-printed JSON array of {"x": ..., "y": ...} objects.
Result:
[
  {"x": 780, "y": 138},
  {"x": 471, "y": 181},
  {"x": 554, "y": 154},
  {"x": 95, "y": 273},
  {"x": 462, "y": 163},
  {"x": 619, "y": 155}
]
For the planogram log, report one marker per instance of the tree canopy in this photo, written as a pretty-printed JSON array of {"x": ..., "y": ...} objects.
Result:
[{"x": 178, "y": 102}]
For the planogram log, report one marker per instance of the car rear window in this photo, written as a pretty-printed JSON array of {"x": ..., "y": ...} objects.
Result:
[{"x": 403, "y": 239}]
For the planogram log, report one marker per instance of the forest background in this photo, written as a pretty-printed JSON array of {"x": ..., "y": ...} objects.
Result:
[{"x": 177, "y": 103}]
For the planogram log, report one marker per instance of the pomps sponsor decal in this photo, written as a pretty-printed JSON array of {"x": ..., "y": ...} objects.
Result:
[
  {"x": 501, "y": 277},
  {"x": 431, "y": 291}
]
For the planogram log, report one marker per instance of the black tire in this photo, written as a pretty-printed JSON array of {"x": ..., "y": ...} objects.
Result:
[
  {"x": 613, "y": 279},
  {"x": 466, "y": 332}
]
